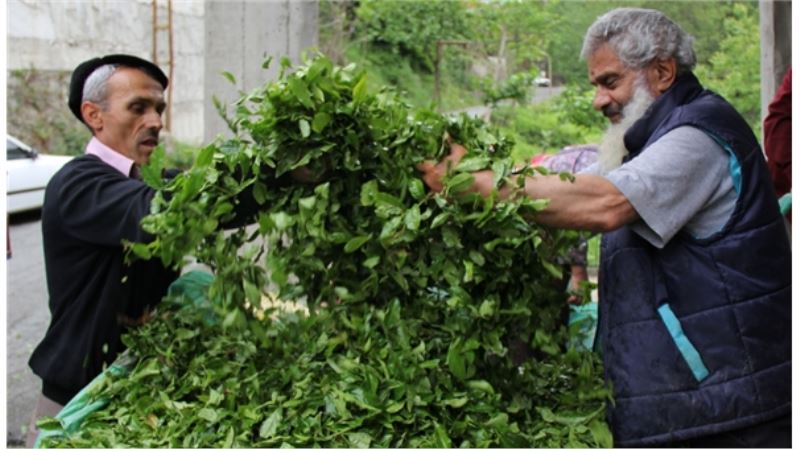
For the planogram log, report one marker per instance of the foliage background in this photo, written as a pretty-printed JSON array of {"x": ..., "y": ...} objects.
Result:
[
  {"x": 526, "y": 35},
  {"x": 395, "y": 41}
]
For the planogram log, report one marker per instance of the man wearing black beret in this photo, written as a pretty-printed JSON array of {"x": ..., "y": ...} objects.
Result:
[
  {"x": 94, "y": 203},
  {"x": 91, "y": 205}
]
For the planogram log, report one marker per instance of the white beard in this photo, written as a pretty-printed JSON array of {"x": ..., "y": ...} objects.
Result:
[{"x": 612, "y": 149}]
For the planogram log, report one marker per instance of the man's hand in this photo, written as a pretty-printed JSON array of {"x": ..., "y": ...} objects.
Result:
[
  {"x": 432, "y": 173},
  {"x": 127, "y": 321}
]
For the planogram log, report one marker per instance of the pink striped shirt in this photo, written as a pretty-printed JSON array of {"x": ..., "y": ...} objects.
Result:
[{"x": 113, "y": 158}]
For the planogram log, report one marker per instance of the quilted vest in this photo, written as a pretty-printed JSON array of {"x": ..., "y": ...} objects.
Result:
[{"x": 696, "y": 335}]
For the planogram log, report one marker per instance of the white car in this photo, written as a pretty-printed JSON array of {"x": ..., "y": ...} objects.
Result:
[
  {"x": 542, "y": 81},
  {"x": 28, "y": 173}
]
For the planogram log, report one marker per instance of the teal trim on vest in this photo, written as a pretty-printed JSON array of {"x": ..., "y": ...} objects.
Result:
[
  {"x": 686, "y": 348},
  {"x": 785, "y": 203},
  {"x": 734, "y": 167}
]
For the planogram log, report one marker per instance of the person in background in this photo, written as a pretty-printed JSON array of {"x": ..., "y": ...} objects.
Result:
[
  {"x": 571, "y": 159},
  {"x": 778, "y": 138},
  {"x": 695, "y": 278}
]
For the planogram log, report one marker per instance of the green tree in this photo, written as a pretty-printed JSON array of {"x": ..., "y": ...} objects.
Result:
[
  {"x": 705, "y": 21},
  {"x": 516, "y": 32},
  {"x": 733, "y": 70},
  {"x": 570, "y": 21},
  {"x": 336, "y": 27},
  {"x": 411, "y": 28}
]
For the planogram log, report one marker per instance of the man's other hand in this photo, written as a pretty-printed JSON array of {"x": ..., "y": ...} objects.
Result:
[{"x": 433, "y": 173}]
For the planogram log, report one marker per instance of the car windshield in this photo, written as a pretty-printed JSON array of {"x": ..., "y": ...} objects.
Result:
[{"x": 14, "y": 151}]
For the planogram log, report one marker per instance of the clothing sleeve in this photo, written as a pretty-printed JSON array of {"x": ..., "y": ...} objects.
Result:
[
  {"x": 592, "y": 169},
  {"x": 672, "y": 182},
  {"x": 103, "y": 207},
  {"x": 778, "y": 137}
]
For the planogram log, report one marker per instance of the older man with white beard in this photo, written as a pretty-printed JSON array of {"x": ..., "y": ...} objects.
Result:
[{"x": 695, "y": 280}]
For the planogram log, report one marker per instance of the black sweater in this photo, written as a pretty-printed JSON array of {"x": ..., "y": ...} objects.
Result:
[{"x": 89, "y": 209}]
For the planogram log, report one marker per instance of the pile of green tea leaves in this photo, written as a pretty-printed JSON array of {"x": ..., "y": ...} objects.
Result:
[
  {"x": 337, "y": 378},
  {"x": 432, "y": 319}
]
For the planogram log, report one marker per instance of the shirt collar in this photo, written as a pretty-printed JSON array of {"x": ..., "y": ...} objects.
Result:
[{"x": 113, "y": 158}]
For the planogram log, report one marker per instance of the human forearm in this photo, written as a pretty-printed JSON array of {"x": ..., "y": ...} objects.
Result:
[{"x": 589, "y": 203}]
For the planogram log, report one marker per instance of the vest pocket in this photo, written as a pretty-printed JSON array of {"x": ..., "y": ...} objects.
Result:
[{"x": 685, "y": 347}]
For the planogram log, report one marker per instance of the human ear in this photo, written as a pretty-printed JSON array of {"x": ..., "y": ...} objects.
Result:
[
  {"x": 663, "y": 74},
  {"x": 91, "y": 113}
]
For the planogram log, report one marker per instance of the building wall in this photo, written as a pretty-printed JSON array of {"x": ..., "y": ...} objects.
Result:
[
  {"x": 208, "y": 37},
  {"x": 240, "y": 36}
]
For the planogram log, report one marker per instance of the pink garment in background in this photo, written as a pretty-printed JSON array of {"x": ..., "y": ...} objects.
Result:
[{"x": 571, "y": 159}]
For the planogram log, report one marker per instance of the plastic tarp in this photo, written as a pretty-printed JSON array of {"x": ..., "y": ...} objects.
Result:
[{"x": 583, "y": 325}]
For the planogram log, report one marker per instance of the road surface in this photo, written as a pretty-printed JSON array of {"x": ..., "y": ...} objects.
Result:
[{"x": 27, "y": 320}]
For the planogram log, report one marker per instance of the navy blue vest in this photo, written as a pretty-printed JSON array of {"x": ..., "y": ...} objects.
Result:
[{"x": 696, "y": 335}]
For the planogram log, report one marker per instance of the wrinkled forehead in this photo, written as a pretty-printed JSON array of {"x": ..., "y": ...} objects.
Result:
[
  {"x": 131, "y": 81},
  {"x": 604, "y": 62}
]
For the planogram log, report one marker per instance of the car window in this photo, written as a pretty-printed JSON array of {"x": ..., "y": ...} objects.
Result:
[{"x": 14, "y": 151}]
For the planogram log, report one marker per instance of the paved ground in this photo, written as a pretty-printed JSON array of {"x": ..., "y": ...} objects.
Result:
[
  {"x": 28, "y": 317},
  {"x": 540, "y": 94}
]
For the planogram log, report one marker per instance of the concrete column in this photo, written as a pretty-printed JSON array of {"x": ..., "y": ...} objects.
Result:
[
  {"x": 239, "y": 36},
  {"x": 776, "y": 46}
]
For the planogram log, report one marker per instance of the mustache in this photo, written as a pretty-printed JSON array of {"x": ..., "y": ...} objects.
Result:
[
  {"x": 149, "y": 134},
  {"x": 611, "y": 110}
]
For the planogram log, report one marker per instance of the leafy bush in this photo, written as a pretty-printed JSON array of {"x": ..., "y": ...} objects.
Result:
[
  {"x": 574, "y": 105},
  {"x": 538, "y": 129},
  {"x": 517, "y": 88},
  {"x": 567, "y": 119}
]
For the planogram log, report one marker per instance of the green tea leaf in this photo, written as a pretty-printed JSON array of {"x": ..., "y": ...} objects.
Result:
[
  {"x": 305, "y": 128},
  {"x": 208, "y": 414},
  {"x": 356, "y": 243},
  {"x": 321, "y": 120},
  {"x": 412, "y": 218},
  {"x": 270, "y": 425},
  {"x": 416, "y": 188},
  {"x": 300, "y": 91},
  {"x": 360, "y": 90},
  {"x": 229, "y": 76},
  {"x": 152, "y": 171}
]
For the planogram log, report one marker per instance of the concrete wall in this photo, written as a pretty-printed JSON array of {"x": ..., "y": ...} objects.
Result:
[
  {"x": 58, "y": 35},
  {"x": 240, "y": 36},
  {"x": 208, "y": 37}
]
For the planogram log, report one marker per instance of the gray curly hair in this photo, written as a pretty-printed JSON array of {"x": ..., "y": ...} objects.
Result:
[{"x": 639, "y": 36}]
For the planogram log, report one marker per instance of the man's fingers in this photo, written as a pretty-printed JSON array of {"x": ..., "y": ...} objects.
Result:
[
  {"x": 425, "y": 167},
  {"x": 457, "y": 151}
]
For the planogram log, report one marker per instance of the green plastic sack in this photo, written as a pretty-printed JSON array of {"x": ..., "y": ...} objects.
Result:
[
  {"x": 69, "y": 419},
  {"x": 189, "y": 290},
  {"x": 583, "y": 325}
]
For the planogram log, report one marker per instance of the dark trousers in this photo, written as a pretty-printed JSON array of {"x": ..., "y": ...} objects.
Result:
[{"x": 775, "y": 433}]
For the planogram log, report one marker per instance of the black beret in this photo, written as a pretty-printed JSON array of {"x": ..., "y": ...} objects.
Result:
[{"x": 82, "y": 72}]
